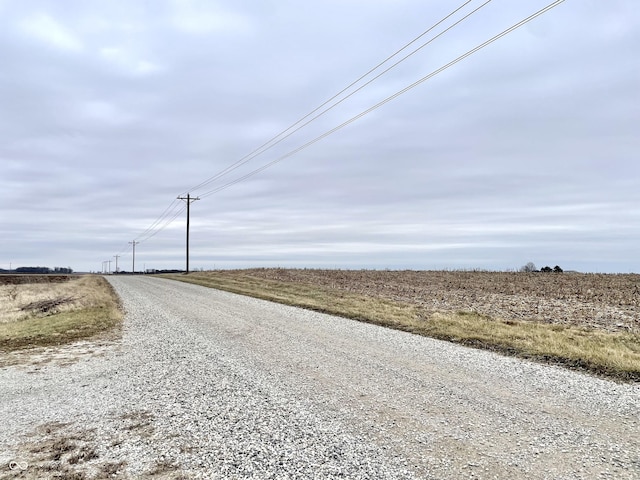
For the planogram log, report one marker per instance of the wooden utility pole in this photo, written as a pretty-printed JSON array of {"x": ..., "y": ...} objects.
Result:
[
  {"x": 189, "y": 201},
  {"x": 133, "y": 267},
  {"x": 117, "y": 257}
]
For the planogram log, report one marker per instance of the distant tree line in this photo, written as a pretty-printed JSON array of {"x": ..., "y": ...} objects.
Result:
[
  {"x": 148, "y": 271},
  {"x": 531, "y": 267},
  {"x": 39, "y": 270}
]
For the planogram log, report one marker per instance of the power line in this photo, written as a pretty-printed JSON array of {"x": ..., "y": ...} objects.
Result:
[
  {"x": 168, "y": 222},
  {"x": 149, "y": 233},
  {"x": 386, "y": 100},
  {"x": 163, "y": 215},
  {"x": 170, "y": 210},
  {"x": 283, "y": 135},
  {"x": 169, "y": 215},
  {"x": 151, "y": 230}
]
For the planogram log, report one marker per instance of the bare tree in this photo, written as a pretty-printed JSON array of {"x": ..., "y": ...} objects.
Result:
[{"x": 529, "y": 267}]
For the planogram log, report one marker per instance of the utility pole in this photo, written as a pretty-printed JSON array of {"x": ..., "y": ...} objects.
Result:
[
  {"x": 109, "y": 262},
  {"x": 117, "y": 257},
  {"x": 189, "y": 201},
  {"x": 133, "y": 267}
]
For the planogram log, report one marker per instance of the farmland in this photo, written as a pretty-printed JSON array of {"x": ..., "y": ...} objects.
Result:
[
  {"x": 599, "y": 301},
  {"x": 586, "y": 321}
]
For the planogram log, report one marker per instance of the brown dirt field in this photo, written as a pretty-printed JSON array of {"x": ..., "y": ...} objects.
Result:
[{"x": 609, "y": 302}]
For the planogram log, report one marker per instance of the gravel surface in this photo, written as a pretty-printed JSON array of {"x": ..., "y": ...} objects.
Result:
[{"x": 207, "y": 384}]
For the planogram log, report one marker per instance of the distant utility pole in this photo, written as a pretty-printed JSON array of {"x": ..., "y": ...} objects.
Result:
[
  {"x": 117, "y": 257},
  {"x": 109, "y": 271},
  {"x": 133, "y": 267},
  {"x": 189, "y": 201}
]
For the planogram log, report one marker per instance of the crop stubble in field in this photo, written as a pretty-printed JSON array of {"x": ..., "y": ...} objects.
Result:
[{"x": 601, "y": 301}]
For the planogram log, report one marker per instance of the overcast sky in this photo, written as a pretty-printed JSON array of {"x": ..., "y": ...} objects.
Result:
[{"x": 524, "y": 151}]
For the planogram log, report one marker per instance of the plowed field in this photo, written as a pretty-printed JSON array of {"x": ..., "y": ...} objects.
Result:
[
  {"x": 609, "y": 302},
  {"x": 17, "y": 279}
]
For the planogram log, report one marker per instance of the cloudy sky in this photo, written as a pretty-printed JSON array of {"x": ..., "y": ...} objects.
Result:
[{"x": 525, "y": 151}]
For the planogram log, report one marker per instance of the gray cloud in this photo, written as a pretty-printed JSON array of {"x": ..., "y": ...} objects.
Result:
[{"x": 524, "y": 151}]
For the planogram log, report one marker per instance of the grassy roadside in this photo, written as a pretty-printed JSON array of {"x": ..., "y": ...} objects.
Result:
[
  {"x": 614, "y": 355},
  {"x": 89, "y": 306}
]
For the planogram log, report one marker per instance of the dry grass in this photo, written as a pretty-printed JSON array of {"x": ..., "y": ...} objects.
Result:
[
  {"x": 592, "y": 346},
  {"x": 37, "y": 314}
]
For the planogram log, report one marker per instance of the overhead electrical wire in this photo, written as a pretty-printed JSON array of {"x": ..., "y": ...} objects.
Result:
[
  {"x": 169, "y": 215},
  {"x": 154, "y": 228},
  {"x": 150, "y": 232},
  {"x": 386, "y": 100},
  {"x": 167, "y": 212},
  {"x": 165, "y": 225},
  {"x": 298, "y": 125}
]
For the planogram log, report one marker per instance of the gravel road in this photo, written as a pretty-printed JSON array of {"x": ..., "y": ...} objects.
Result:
[{"x": 208, "y": 384}]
